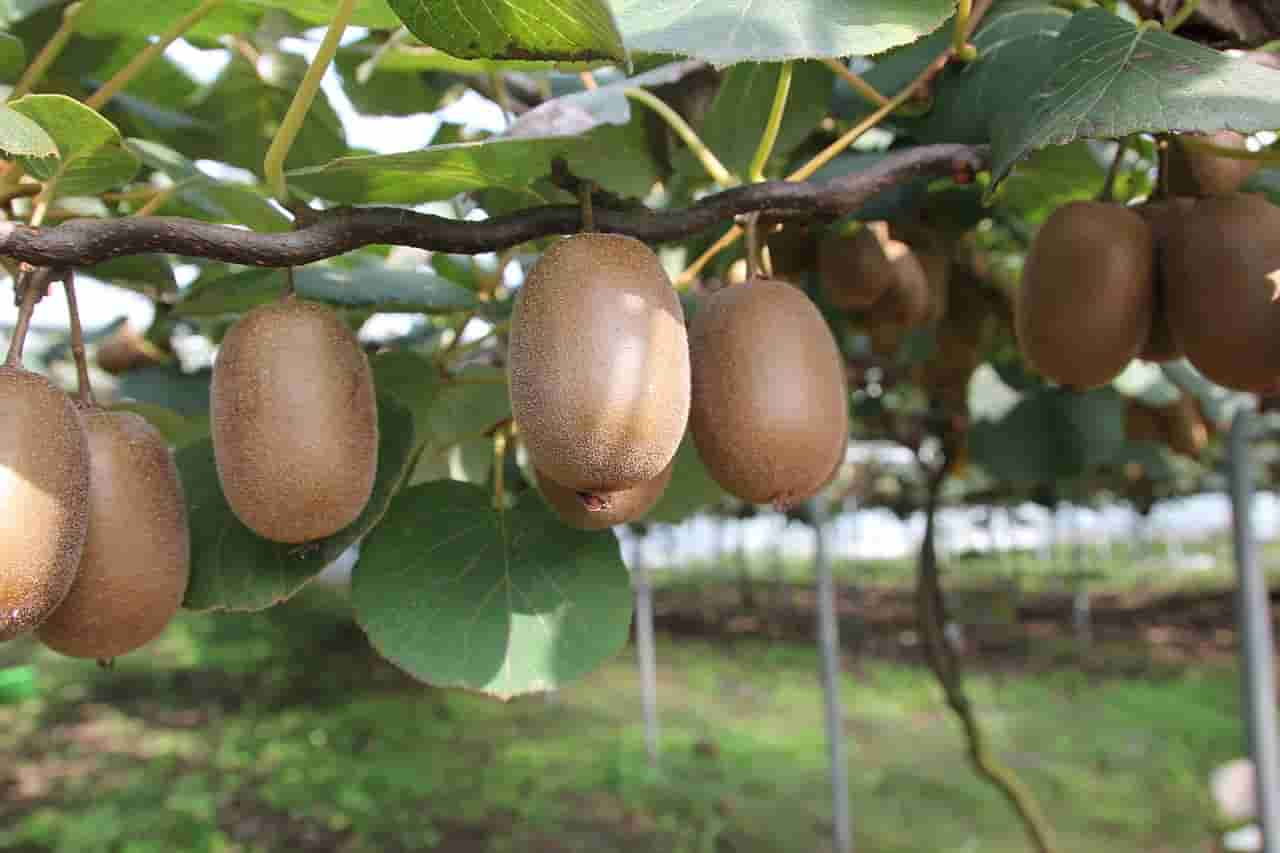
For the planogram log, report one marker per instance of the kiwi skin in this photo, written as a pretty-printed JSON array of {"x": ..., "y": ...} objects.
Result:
[
  {"x": 599, "y": 511},
  {"x": 1083, "y": 309},
  {"x": 1220, "y": 265},
  {"x": 137, "y": 558},
  {"x": 854, "y": 270},
  {"x": 1203, "y": 173},
  {"x": 770, "y": 413},
  {"x": 44, "y": 465},
  {"x": 598, "y": 364},
  {"x": 294, "y": 421}
]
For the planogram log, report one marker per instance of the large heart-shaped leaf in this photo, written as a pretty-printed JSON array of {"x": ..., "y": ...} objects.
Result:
[
  {"x": 13, "y": 58},
  {"x": 691, "y": 487},
  {"x": 571, "y": 30},
  {"x": 92, "y": 157},
  {"x": 459, "y": 594},
  {"x": 1112, "y": 79},
  {"x": 729, "y": 31},
  {"x": 367, "y": 286},
  {"x": 234, "y": 569}
]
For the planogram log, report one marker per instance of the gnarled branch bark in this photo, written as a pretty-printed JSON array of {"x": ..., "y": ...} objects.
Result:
[{"x": 83, "y": 242}]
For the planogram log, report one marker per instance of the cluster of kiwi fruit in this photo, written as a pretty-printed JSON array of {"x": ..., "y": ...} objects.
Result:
[
  {"x": 94, "y": 548},
  {"x": 1195, "y": 273},
  {"x": 605, "y": 379}
]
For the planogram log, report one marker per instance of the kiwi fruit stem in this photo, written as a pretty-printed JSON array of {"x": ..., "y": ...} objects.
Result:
[
  {"x": 31, "y": 293},
  {"x": 85, "y": 396}
]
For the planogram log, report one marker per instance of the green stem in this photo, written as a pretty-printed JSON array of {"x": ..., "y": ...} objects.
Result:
[
  {"x": 964, "y": 51},
  {"x": 1109, "y": 185},
  {"x": 705, "y": 156},
  {"x": 273, "y": 165},
  {"x": 770, "y": 136},
  {"x": 868, "y": 92},
  {"x": 1183, "y": 15},
  {"x": 125, "y": 75},
  {"x": 51, "y": 51}
]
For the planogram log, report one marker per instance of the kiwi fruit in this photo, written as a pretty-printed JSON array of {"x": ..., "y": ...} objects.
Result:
[
  {"x": 588, "y": 511},
  {"x": 294, "y": 421},
  {"x": 908, "y": 299},
  {"x": 1193, "y": 172},
  {"x": 598, "y": 364},
  {"x": 44, "y": 462},
  {"x": 1083, "y": 309},
  {"x": 136, "y": 560},
  {"x": 793, "y": 251},
  {"x": 1161, "y": 216},
  {"x": 854, "y": 270},
  {"x": 770, "y": 403},
  {"x": 1221, "y": 265},
  {"x": 127, "y": 350}
]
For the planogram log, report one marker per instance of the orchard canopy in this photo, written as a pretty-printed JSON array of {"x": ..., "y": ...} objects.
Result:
[{"x": 783, "y": 134}]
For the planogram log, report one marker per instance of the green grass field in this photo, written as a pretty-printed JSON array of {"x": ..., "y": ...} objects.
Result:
[{"x": 281, "y": 731}]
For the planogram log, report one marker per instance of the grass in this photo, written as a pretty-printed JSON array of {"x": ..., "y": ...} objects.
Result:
[{"x": 281, "y": 731}]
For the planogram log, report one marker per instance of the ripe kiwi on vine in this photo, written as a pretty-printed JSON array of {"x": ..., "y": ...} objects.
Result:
[
  {"x": 770, "y": 402},
  {"x": 294, "y": 421},
  {"x": 136, "y": 560},
  {"x": 1221, "y": 265},
  {"x": 598, "y": 364},
  {"x": 1084, "y": 306},
  {"x": 854, "y": 270},
  {"x": 1192, "y": 171},
  {"x": 44, "y": 475}
]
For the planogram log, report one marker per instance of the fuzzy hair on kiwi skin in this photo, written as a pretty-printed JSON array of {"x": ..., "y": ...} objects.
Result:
[
  {"x": 601, "y": 510},
  {"x": 294, "y": 421},
  {"x": 44, "y": 476},
  {"x": 598, "y": 364},
  {"x": 770, "y": 415},
  {"x": 1084, "y": 306},
  {"x": 137, "y": 558}
]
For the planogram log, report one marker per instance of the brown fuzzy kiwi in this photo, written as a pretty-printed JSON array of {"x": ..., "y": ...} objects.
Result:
[
  {"x": 1161, "y": 216},
  {"x": 127, "y": 350},
  {"x": 907, "y": 302},
  {"x": 1203, "y": 173},
  {"x": 597, "y": 511},
  {"x": 1222, "y": 274},
  {"x": 770, "y": 402},
  {"x": 137, "y": 559},
  {"x": 44, "y": 476},
  {"x": 793, "y": 251},
  {"x": 599, "y": 364},
  {"x": 1083, "y": 309},
  {"x": 854, "y": 271},
  {"x": 294, "y": 421}
]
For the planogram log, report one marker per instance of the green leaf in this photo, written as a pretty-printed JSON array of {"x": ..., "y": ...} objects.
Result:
[
  {"x": 1050, "y": 178},
  {"x": 1112, "y": 79},
  {"x": 376, "y": 87},
  {"x": 22, "y": 137},
  {"x": 13, "y": 58},
  {"x": 223, "y": 202},
  {"x": 166, "y": 385},
  {"x": 375, "y": 14},
  {"x": 92, "y": 156},
  {"x": 459, "y": 594},
  {"x": 129, "y": 17},
  {"x": 728, "y": 31},
  {"x": 691, "y": 488},
  {"x": 176, "y": 428},
  {"x": 567, "y": 30},
  {"x": 738, "y": 114},
  {"x": 234, "y": 569},
  {"x": 367, "y": 286},
  {"x": 149, "y": 274},
  {"x": 445, "y": 411},
  {"x": 435, "y": 173},
  {"x": 1050, "y": 435},
  {"x": 13, "y": 11}
]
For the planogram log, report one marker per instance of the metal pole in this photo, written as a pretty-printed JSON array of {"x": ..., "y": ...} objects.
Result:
[
  {"x": 829, "y": 642},
  {"x": 1256, "y": 646},
  {"x": 646, "y": 652}
]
